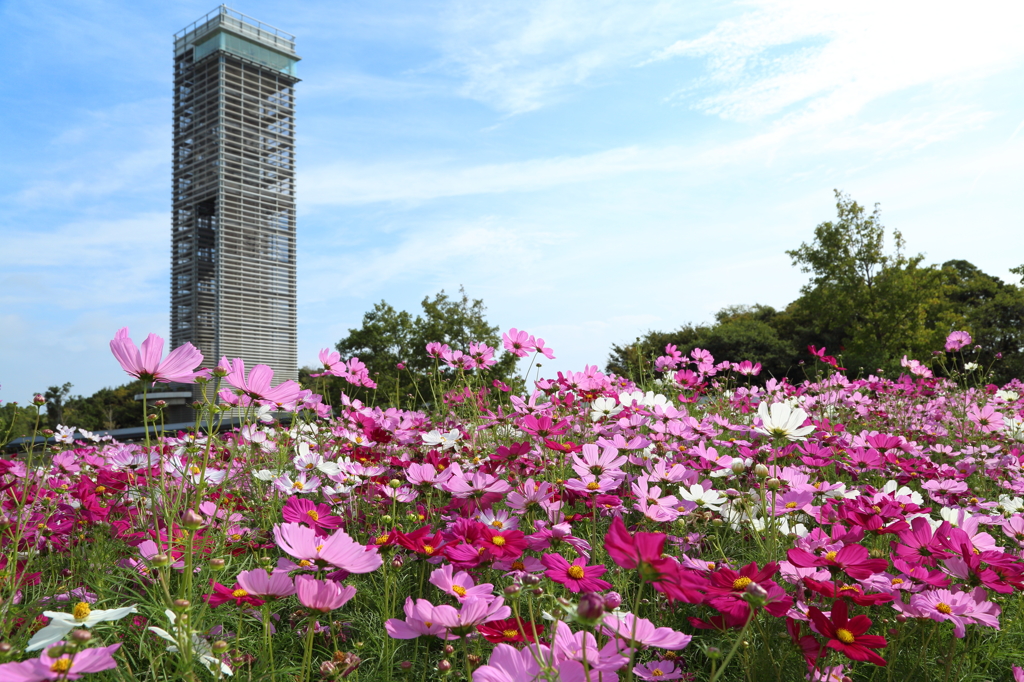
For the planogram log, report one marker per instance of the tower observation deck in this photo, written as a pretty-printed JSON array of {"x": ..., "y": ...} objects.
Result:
[{"x": 233, "y": 207}]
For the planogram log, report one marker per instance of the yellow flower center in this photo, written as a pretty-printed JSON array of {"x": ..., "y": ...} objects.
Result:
[
  {"x": 297, "y": 485},
  {"x": 576, "y": 572},
  {"x": 196, "y": 470},
  {"x": 309, "y": 466},
  {"x": 518, "y": 566},
  {"x": 844, "y": 636},
  {"x": 239, "y": 593},
  {"x": 741, "y": 582},
  {"x": 943, "y": 607},
  {"x": 428, "y": 549},
  {"x": 498, "y": 541},
  {"x": 459, "y": 590},
  {"x": 382, "y": 539},
  {"x": 100, "y": 489},
  {"x": 81, "y": 611},
  {"x": 831, "y": 556},
  {"x": 791, "y": 505},
  {"x": 305, "y": 563},
  {"x": 848, "y": 588},
  {"x": 897, "y": 581},
  {"x": 236, "y": 536},
  {"x": 593, "y": 485},
  {"x": 61, "y": 665},
  {"x": 657, "y": 672},
  {"x": 511, "y": 634},
  {"x": 313, "y": 514},
  {"x": 497, "y": 524}
]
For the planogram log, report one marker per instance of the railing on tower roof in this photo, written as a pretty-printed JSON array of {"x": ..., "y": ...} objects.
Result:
[{"x": 243, "y": 24}]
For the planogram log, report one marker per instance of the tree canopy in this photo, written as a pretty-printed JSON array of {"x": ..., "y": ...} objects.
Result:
[{"x": 866, "y": 302}]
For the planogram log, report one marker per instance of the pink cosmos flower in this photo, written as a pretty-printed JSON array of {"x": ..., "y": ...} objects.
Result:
[
  {"x": 957, "y": 607},
  {"x": 577, "y": 576},
  {"x": 275, "y": 585},
  {"x": 658, "y": 671},
  {"x": 460, "y": 585},
  {"x": 64, "y": 667},
  {"x": 223, "y": 594},
  {"x": 338, "y": 549},
  {"x": 508, "y": 664},
  {"x": 517, "y": 342},
  {"x": 957, "y": 340},
  {"x": 421, "y": 618},
  {"x": 986, "y": 418},
  {"x": 178, "y": 366},
  {"x": 257, "y": 387},
  {"x": 475, "y": 611},
  {"x": 322, "y": 595},
  {"x": 318, "y": 516},
  {"x": 640, "y": 632}
]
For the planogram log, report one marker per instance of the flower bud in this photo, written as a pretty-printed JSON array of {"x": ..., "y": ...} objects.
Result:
[
  {"x": 444, "y": 665},
  {"x": 327, "y": 668},
  {"x": 56, "y": 651},
  {"x": 761, "y": 471},
  {"x": 38, "y": 399},
  {"x": 160, "y": 403},
  {"x": 738, "y": 466},
  {"x": 612, "y": 601},
  {"x": 160, "y": 560},
  {"x": 80, "y": 636},
  {"x": 5, "y": 648},
  {"x": 405, "y": 665},
  {"x": 537, "y": 591},
  {"x": 448, "y": 650},
  {"x": 397, "y": 561},
  {"x": 512, "y": 590},
  {"x": 191, "y": 520},
  {"x": 531, "y": 580},
  {"x": 395, "y": 483},
  {"x": 473, "y": 659},
  {"x": 219, "y": 647},
  {"x": 773, "y": 484},
  {"x": 591, "y": 606},
  {"x": 387, "y": 518},
  {"x": 217, "y": 564},
  {"x": 181, "y": 604}
]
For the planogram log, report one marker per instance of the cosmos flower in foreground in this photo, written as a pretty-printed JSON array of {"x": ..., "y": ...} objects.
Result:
[
  {"x": 63, "y": 667},
  {"x": 178, "y": 366},
  {"x": 782, "y": 419},
  {"x": 82, "y": 616}
]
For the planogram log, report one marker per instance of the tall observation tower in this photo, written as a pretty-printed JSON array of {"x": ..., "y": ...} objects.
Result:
[{"x": 233, "y": 217}]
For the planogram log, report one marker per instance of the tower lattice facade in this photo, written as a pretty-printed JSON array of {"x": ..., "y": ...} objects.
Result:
[{"x": 233, "y": 214}]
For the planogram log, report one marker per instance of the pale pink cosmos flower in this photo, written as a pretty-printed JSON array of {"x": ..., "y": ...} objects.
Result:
[
  {"x": 958, "y": 607},
  {"x": 460, "y": 585},
  {"x": 257, "y": 386},
  {"x": 475, "y": 611},
  {"x": 957, "y": 340},
  {"x": 322, "y": 595},
  {"x": 338, "y": 549},
  {"x": 517, "y": 342},
  {"x": 178, "y": 366},
  {"x": 641, "y": 632},
  {"x": 508, "y": 664},
  {"x": 987, "y": 419},
  {"x": 420, "y": 619},
  {"x": 64, "y": 667},
  {"x": 258, "y": 582},
  {"x": 661, "y": 671}
]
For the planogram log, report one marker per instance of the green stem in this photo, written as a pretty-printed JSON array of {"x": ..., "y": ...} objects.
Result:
[{"x": 735, "y": 647}]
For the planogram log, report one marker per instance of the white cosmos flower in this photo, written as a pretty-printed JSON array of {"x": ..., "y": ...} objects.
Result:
[
  {"x": 444, "y": 441},
  {"x": 603, "y": 407},
  {"x": 1013, "y": 428},
  {"x": 82, "y": 616},
  {"x": 1007, "y": 395},
  {"x": 783, "y": 419},
  {"x": 200, "y": 647},
  {"x": 709, "y": 499},
  {"x": 307, "y": 460}
]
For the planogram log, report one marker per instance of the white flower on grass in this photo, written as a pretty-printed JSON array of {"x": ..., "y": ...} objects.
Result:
[
  {"x": 200, "y": 647},
  {"x": 82, "y": 616},
  {"x": 1007, "y": 395},
  {"x": 307, "y": 460},
  {"x": 267, "y": 474},
  {"x": 970, "y": 366},
  {"x": 783, "y": 419},
  {"x": 1013, "y": 428},
  {"x": 604, "y": 407},
  {"x": 436, "y": 439},
  {"x": 709, "y": 499},
  {"x": 893, "y": 488}
]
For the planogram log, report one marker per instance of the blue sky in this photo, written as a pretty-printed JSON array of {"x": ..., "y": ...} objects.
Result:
[{"x": 590, "y": 169}]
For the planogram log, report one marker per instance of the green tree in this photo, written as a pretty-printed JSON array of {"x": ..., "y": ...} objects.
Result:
[
  {"x": 880, "y": 304},
  {"x": 389, "y": 337},
  {"x": 56, "y": 396}
]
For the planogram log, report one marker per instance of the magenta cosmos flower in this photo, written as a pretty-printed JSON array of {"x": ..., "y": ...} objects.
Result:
[
  {"x": 577, "y": 576},
  {"x": 640, "y": 632},
  {"x": 63, "y": 667},
  {"x": 222, "y": 594},
  {"x": 178, "y": 366},
  {"x": 338, "y": 549},
  {"x": 322, "y": 595}
]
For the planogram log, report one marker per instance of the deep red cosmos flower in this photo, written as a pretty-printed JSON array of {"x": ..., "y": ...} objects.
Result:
[
  {"x": 846, "y": 635},
  {"x": 222, "y": 594},
  {"x": 510, "y": 630},
  {"x": 421, "y": 541},
  {"x": 643, "y": 552}
]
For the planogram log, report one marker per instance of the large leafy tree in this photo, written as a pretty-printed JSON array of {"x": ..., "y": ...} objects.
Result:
[
  {"x": 880, "y": 304},
  {"x": 389, "y": 338}
]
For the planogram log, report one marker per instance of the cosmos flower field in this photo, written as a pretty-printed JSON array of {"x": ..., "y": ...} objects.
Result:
[{"x": 704, "y": 525}]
